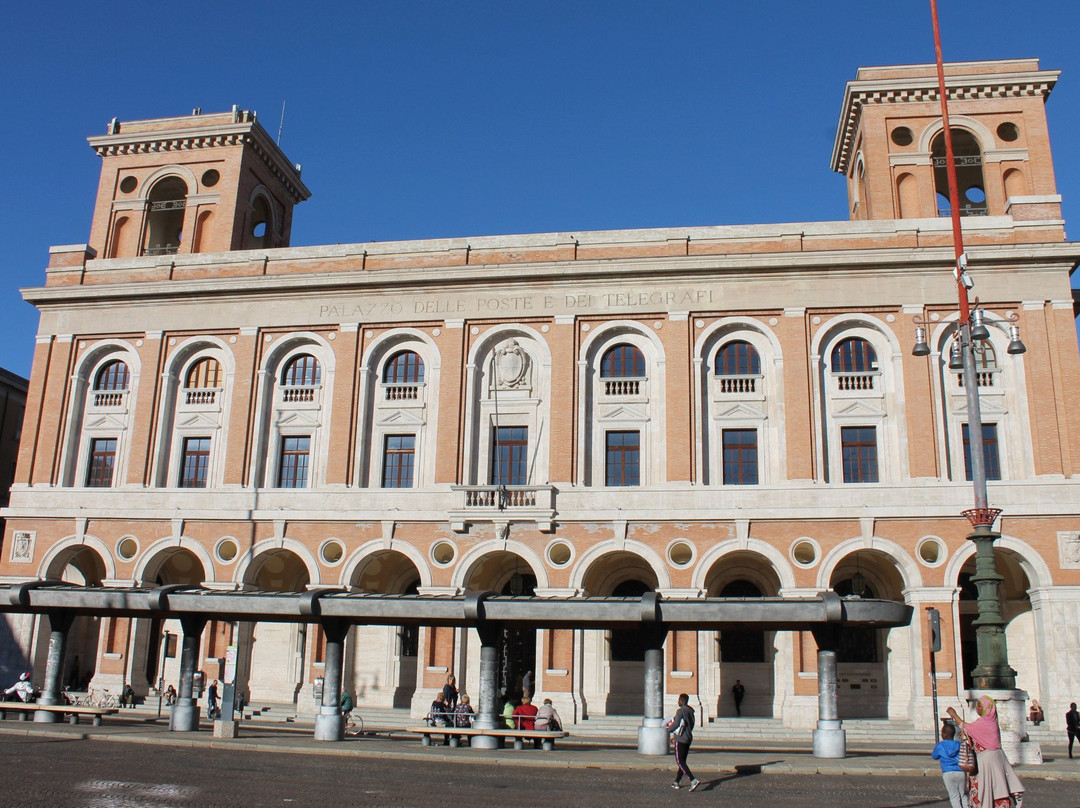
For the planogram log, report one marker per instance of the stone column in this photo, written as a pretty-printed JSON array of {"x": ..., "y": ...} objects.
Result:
[
  {"x": 830, "y": 740},
  {"x": 184, "y": 715},
  {"x": 487, "y": 716},
  {"x": 652, "y": 734},
  {"x": 330, "y": 723},
  {"x": 59, "y": 626}
]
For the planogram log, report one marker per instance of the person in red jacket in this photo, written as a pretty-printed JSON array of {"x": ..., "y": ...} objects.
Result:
[{"x": 525, "y": 716}]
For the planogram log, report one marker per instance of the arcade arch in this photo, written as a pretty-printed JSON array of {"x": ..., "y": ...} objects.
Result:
[{"x": 390, "y": 654}]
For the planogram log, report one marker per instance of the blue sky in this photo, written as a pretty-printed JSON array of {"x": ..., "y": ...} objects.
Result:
[{"x": 428, "y": 119}]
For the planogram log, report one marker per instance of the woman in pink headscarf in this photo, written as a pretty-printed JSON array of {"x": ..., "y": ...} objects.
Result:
[{"x": 996, "y": 784}]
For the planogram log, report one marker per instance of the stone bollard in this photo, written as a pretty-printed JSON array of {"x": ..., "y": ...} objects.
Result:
[{"x": 225, "y": 729}]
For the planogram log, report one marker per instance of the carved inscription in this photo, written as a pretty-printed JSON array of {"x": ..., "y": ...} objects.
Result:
[{"x": 487, "y": 305}]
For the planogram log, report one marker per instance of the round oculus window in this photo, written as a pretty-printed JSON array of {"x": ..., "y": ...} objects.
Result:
[
  {"x": 804, "y": 552},
  {"x": 128, "y": 184},
  {"x": 680, "y": 553},
  {"x": 902, "y": 136},
  {"x": 226, "y": 550},
  {"x": 332, "y": 552},
  {"x": 559, "y": 553},
  {"x": 210, "y": 178},
  {"x": 127, "y": 548},
  {"x": 443, "y": 553},
  {"x": 1008, "y": 131}
]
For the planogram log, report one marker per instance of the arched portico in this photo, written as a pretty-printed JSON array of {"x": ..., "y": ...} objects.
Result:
[
  {"x": 274, "y": 566},
  {"x": 87, "y": 561},
  {"x": 873, "y": 665},
  {"x": 506, "y": 568},
  {"x": 386, "y": 673},
  {"x": 613, "y": 662},
  {"x": 173, "y": 560},
  {"x": 746, "y": 656}
]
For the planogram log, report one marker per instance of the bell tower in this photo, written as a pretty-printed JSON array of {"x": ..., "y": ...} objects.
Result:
[
  {"x": 196, "y": 184},
  {"x": 890, "y": 141}
]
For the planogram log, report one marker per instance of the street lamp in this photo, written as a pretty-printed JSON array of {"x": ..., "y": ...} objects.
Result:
[{"x": 992, "y": 671}]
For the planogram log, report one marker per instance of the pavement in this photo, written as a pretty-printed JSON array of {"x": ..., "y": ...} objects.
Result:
[{"x": 585, "y": 752}]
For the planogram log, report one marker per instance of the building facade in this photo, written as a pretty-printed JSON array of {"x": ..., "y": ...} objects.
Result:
[{"x": 723, "y": 411}]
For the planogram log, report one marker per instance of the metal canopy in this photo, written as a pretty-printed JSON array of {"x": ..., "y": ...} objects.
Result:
[{"x": 469, "y": 609}]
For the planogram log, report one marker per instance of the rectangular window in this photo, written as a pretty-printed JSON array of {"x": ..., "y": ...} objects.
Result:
[
  {"x": 623, "y": 458},
  {"x": 991, "y": 461},
  {"x": 740, "y": 457},
  {"x": 195, "y": 463},
  {"x": 102, "y": 463},
  {"x": 295, "y": 455},
  {"x": 399, "y": 460},
  {"x": 859, "y": 449},
  {"x": 510, "y": 454}
]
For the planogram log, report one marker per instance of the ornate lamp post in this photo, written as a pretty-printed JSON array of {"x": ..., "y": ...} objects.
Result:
[{"x": 992, "y": 671}]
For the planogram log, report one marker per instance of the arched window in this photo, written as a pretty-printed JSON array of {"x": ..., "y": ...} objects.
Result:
[
  {"x": 738, "y": 359},
  {"x": 165, "y": 220},
  {"x": 113, "y": 376},
  {"x": 259, "y": 229},
  {"x": 204, "y": 373},
  {"x": 854, "y": 355},
  {"x": 405, "y": 367},
  {"x": 302, "y": 371},
  {"x": 622, "y": 362},
  {"x": 969, "y": 174}
]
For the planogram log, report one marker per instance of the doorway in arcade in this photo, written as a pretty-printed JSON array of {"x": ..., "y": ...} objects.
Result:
[{"x": 517, "y": 646}]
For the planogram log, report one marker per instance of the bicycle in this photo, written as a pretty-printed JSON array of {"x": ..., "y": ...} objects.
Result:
[
  {"x": 107, "y": 700},
  {"x": 354, "y": 724}
]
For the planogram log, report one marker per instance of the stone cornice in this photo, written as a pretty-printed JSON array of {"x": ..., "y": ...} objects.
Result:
[
  {"x": 924, "y": 89},
  {"x": 347, "y": 274}
]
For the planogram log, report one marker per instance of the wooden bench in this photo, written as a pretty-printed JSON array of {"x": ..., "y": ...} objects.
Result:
[
  {"x": 71, "y": 710},
  {"x": 546, "y": 736}
]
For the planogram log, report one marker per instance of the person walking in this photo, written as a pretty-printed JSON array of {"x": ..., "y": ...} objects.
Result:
[
  {"x": 947, "y": 754},
  {"x": 213, "y": 712},
  {"x": 737, "y": 693},
  {"x": 681, "y": 728},
  {"x": 1072, "y": 726}
]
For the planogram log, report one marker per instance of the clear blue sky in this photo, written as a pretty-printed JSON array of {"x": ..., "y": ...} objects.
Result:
[{"x": 464, "y": 118}]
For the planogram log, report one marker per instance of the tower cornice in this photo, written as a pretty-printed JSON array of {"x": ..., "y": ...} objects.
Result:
[
  {"x": 133, "y": 139},
  {"x": 963, "y": 82}
]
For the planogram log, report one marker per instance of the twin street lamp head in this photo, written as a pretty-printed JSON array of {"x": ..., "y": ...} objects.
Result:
[{"x": 979, "y": 333}]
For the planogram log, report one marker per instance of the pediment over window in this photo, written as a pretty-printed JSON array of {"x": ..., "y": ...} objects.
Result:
[
  {"x": 298, "y": 418},
  {"x": 988, "y": 405},
  {"x": 403, "y": 418},
  {"x": 106, "y": 422},
  {"x": 741, "y": 409},
  {"x": 623, "y": 413},
  {"x": 859, "y": 409},
  {"x": 197, "y": 421}
]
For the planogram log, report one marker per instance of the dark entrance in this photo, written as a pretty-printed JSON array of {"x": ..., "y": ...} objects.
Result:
[{"x": 517, "y": 646}]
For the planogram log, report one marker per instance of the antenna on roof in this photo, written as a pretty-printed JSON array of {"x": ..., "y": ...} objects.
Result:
[{"x": 282, "y": 124}]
